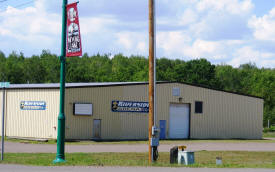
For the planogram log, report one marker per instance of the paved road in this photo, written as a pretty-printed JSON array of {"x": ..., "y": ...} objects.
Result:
[
  {"x": 210, "y": 146},
  {"x": 15, "y": 168}
]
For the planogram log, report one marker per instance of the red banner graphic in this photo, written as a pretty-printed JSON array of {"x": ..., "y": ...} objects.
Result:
[{"x": 73, "y": 32}]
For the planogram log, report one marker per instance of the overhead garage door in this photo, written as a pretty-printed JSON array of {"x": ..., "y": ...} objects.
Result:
[{"x": 179, "y": 121}]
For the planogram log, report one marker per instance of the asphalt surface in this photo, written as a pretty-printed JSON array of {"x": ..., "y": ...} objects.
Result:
[
  {"x": 209, "y": 146},
  {"x": 15, "y": 168}
]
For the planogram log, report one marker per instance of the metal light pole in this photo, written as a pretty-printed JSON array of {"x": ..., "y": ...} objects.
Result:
[{"x": 60, "y": 155}]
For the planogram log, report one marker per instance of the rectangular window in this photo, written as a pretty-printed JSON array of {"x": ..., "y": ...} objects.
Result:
[
  {"x": 176, "y": 91},
  {"x": 198, "y": 107},
  {"x": 83, "y": 109}
]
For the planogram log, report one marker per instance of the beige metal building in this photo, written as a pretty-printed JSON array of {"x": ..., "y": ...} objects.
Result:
[{"x": 112, "y": 111}]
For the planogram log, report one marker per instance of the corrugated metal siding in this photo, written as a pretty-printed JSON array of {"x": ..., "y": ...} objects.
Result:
[
  {"x": 1, "y": 100},
  {"x": 225, "y": 115},
  {"x": 120, "y": 125},
  {"x": 32, "y": 123},
  {"x": 1, "y": 111},
  {"x": 164, "y": 99}
]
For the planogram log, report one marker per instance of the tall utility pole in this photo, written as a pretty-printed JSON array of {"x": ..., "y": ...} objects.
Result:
[
  {"x": 153, "y": 140},
  {"x": 60, "y": 155}
]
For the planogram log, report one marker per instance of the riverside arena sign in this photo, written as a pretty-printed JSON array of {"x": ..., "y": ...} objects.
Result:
[{"x": 130, "y": 106}]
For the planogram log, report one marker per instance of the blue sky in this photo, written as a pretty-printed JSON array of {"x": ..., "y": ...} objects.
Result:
[{"x": 230, "y": 32}]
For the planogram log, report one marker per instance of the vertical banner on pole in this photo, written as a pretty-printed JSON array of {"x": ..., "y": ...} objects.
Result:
[{"x": 73, "y": 32}]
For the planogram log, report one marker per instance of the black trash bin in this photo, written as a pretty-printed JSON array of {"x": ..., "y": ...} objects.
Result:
[{"x": 174, "y": 155}]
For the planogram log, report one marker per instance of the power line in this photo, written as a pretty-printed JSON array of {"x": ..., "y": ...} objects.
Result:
[
  {"x": 23, "y": 4},
  {"x": 2, "y": 1},
  {"x": 19, "y": 5}
]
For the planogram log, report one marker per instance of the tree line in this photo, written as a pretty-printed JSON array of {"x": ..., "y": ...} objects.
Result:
[{"x": 45, "y": 68}]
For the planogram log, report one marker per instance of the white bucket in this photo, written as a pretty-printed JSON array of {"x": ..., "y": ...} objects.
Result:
[
  {"x": 186, "y": 157},
  {"x": 218, "y": 161}
]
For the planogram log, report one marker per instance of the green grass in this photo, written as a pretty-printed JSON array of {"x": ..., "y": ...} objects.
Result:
[
  {"x": 269, "y": 134},
  {"x": 51, "y": 141},
  {"x": 169, "y": 142},
  {"x": 216, "y": 141},
  {"x": 230, "y": 159}
]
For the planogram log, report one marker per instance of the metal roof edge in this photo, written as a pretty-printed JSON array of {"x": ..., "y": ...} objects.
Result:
[
  {"x": 203, "y": 86},
  {"x": 109, "y": 84}
]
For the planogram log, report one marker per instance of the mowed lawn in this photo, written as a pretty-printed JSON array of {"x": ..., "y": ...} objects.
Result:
[
  {"x": 269, "y": 134},
  {"x": 230, "y": 159}
]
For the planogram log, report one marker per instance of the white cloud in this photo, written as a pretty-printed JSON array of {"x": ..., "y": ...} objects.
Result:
[
  {"x": 263, "y": 27},
  {"x": 40, "y": 28},
  {"x": 172, "y": 43},
  {"x": 132, "y": 42},
  {"x": 205, "y": 49},
  {"x": 125, "y": 39},
  {"x": 189, "y": 16},
  {"x": 248, "y": 54},
  {"x": 96, "y": 24},
  {"x": 214, "y": 29},
  {"x": 28, "y": 23},
  {"x": 231, "y": 6},
  {"x": 179, "y": 44}
]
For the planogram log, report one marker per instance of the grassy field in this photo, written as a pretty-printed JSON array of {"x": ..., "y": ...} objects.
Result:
[
  {"x": 269, "y": 134},
  {"x": 230, "y": 159}
]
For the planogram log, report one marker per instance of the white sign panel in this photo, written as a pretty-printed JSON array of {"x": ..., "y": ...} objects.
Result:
[
  {"x": 4, "y": 84},
  {"x": 33, "y": 105},
  {"x": 83, "y": 109}
]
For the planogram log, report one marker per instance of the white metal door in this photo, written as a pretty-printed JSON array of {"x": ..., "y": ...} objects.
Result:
[{"x": 179, "y": 121}]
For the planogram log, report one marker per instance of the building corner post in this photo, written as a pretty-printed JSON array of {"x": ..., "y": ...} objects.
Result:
[
  {"x": 60, "y": 154},
  {"x": 3, "y": 125}
]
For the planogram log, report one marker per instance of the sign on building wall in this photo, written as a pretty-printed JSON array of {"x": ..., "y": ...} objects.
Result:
[
  {"x": 33, "y": 105},
  {"x": 73, "y": 32},
  {"x": 130, "y": 106},
  {"x": 4, "y": 84}
]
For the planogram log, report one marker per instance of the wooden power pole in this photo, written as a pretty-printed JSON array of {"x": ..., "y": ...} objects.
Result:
[{"x": 151, "y": 74}]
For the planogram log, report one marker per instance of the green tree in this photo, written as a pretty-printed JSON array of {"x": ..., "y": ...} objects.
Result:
[
  {"x": 14, "y": 67},
  {"x": 165, "y": 69},
  {"x": 34, "y": 71},
  {"x": 100, "y": 68},
  {"x": 3, "y": 69},
  {"x": 121, "y": 72},
  {"x": 51, "y": 65},
  {"x": 229, "y": 78},
  {"x": 199, "y": 71},
  {"x": 76, "y": 70},
  {"x": 139, "y": 67}
]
